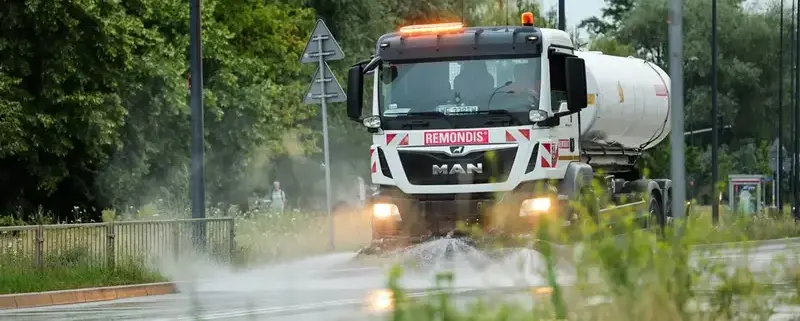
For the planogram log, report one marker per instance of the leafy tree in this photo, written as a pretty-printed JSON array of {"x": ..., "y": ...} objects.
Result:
[{"x": 612, "y": 15}]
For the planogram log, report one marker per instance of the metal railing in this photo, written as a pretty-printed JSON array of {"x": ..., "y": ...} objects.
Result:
[{"x": 107, "y": 244}]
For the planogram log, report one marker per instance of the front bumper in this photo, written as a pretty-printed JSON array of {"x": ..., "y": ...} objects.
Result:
[{"x": 422, "y": 216}]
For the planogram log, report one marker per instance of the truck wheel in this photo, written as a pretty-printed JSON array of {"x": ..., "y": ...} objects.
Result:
[
  {"x": 591, "y": 204},
  {"x": 655, "y": 215}
]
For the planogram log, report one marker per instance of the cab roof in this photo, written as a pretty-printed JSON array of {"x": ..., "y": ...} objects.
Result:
[{"x": 468, "y": 43}]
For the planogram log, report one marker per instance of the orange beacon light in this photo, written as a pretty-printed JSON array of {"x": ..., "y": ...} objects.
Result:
[
  {"x": 436, "y": 28},
  {"x": 527, "y": 19}
]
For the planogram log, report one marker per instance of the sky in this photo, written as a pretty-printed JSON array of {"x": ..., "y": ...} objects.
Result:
[{"x": 577, "y": 10}]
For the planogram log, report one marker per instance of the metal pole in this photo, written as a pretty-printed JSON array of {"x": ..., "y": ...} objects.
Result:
[
  {"x": 779, "y": 157},
  {"x": 562, "y": 15},
  {"x": 197, "y": 158},
  {"x": 714, "y": 115},
  {"x": 677, "y": 161},
  {"x": 323, "y": 98},
  {"x": 792, "y": 187},
  {"x": 796, "y": 115}
]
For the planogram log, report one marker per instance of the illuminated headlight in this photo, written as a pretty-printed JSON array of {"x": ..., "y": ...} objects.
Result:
[
  {"x": 535, "y": 206},
  {"x": 372, "y": 122},
  {"x": 537, "y": 115},
  {"x": 384, "y": 211}
]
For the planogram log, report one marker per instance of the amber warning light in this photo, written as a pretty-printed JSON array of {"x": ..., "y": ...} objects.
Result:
[
  {"x": 435, "y": 28},
  {"x": 527, "y": 19}
]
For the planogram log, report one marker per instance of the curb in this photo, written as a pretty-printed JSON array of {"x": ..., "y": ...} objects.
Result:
[{"x": 50, "y": 298}]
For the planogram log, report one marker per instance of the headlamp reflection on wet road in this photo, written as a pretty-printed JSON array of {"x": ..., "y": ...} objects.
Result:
[{"x": 380, "y": 300}]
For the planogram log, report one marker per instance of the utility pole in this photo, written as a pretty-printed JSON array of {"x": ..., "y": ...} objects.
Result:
[
  {"x": 796, "y": 116},
  {"x": 677, "y": 157},
  {"x": 779, "y": 158},
  {"x": 792, "y": 53},
  {"x": 197, "y": 186},
  {"x": 562, "y": 15},
  {"x": 714, "y": 116}
]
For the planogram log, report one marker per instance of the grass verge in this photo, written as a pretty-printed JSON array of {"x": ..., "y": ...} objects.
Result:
[{"x": 67, "y": 273}]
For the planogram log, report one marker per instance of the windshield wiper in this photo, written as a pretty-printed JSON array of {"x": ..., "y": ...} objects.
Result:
[
  {"x": 433, "y": 114},
  {"x": 497, "y": 91}
]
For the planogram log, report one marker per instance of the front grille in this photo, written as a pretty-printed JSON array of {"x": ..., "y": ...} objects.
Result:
[
  {"x": 443, "y": 216},
  {"x": 496, "y": 165}
]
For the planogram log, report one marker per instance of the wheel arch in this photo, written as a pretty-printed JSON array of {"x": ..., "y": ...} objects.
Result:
[{"x": 577, "y": 176}]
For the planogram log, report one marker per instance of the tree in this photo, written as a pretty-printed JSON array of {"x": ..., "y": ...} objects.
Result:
[{"x": 613, "y": 14}]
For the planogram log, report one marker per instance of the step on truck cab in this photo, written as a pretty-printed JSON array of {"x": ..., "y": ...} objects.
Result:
[{"x": 499, "y": 125}]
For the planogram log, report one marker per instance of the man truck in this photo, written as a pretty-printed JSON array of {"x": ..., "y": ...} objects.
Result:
[{"x": 469, "y": 123}]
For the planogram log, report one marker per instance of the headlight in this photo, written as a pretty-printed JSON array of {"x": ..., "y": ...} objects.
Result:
[
  {"x": 381, "y": 300},
  {"x": 537, "y": 115},
  {"x": 384, "y": 211},
  {"x": 372, "y": 122},
  {"x": 535, "y": 206}
]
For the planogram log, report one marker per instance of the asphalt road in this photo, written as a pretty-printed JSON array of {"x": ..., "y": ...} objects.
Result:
[{"x": 330, "y": 287}]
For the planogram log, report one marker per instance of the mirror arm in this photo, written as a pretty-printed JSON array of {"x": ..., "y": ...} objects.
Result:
[
  {"x": 562, "y": 114},
  {"x": 374, "y": 62}
]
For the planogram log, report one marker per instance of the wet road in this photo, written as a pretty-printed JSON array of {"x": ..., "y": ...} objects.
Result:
[{"x": 329, "y": 287}]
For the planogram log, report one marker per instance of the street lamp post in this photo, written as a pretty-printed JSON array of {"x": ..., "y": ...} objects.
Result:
[
  {"x": 779, "y": 156},
  {"x": 197, "y": 186},
  {"x": 714, "y": 116}
]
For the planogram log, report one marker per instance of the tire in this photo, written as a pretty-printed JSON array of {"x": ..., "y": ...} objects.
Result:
[
  {"x": 667, "y": 217},
  {"x": 655, "y": 213},
  {"x": 592, "y": 204}
]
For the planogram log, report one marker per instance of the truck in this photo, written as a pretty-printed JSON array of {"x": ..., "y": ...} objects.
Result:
[{"x": 496, "y": 126}]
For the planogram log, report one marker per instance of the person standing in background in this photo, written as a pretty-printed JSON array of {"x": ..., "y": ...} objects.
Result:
[
  {"x": 278, "y": 197},
  {"x": 362, "y": 192}
]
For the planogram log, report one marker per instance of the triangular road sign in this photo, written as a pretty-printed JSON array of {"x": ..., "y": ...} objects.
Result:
[
  {"x": 333, "y": 91},
  {"x": 330, "y": 48}
]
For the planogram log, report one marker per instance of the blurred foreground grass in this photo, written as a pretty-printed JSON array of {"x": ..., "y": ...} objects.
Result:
[{"x": 639, "y": 275}]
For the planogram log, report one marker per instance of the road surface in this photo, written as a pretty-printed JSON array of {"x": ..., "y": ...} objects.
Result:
[{"x": 329, "y": 287}]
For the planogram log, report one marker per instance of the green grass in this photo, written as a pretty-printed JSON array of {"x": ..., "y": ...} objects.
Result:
[
  {"x": 643, "y": 274},
  {"x": 71, "y": 270},
  {"x": 21, "y": 280}
]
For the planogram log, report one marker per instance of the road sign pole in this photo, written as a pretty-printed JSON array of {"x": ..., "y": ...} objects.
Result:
[
  {"x": 325, "y": 151},
  {"x": 320, "y": 48}
]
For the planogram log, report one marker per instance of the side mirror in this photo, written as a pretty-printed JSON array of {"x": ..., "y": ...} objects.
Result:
[
  {"x": 355, "y": 92},
  {"x": 576, "y": 84}
]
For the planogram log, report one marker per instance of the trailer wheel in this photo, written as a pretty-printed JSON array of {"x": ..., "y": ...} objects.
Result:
[
  {"x": 592, "y": 204},
  {"x": 655, "y": 213}
]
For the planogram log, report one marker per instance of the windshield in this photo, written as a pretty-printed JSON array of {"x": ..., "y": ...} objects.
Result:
[{"x": 460, "y": 87}]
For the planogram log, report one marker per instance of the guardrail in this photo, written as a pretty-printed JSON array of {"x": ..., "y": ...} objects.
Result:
[{"x": 106, "y": 244}]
